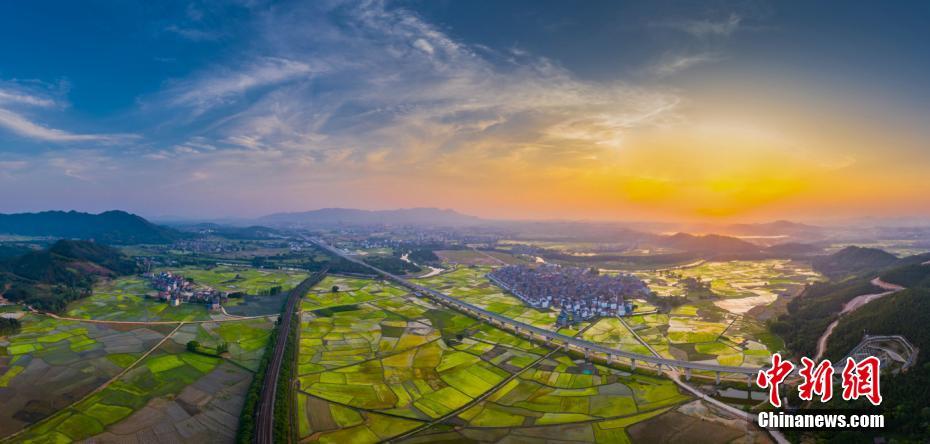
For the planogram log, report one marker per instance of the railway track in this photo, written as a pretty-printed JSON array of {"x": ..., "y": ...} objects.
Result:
[{"x": 264, "y": 420}]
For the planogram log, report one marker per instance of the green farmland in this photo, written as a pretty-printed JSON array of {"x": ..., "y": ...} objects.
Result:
[
  {"x": 375, "y": 363},
  {"x": 179, "y": 394}
]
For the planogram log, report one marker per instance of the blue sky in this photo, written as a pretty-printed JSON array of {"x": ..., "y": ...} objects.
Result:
[{"x": 241, "y": 108}]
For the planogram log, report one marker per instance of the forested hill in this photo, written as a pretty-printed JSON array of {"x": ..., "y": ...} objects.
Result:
[
  {"x": 851, "y": 270},
  {"x": 111, "y": 227},
  {"x": 906, "y": 403},
  {"x": 853, "y": 261},
  {"x": 49, "y": 279},
  {"x": 906, "y": 396}
]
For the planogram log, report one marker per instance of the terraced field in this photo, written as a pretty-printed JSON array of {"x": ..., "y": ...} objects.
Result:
[{"x": 377, "y": 365}]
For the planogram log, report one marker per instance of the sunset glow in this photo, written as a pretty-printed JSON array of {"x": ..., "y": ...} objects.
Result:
[{"x": 744, "y": 113}]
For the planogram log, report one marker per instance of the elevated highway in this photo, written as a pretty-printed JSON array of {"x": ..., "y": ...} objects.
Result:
[{"x": 542, "y": 334}]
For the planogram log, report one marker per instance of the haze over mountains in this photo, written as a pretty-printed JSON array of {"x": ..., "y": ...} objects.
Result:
[
  {"x": 779, "y": 238},
  {"x": 348, "y": 216}
]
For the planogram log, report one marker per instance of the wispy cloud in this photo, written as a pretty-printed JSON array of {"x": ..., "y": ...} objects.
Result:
[
  {"x": 222, "y": 85},
  {"x": 414, "y": 96},
  {"x": 195, "y": 34},
  {"x": 706, "y": 27},
  {"x": 12, "y": 99},
  {"x": 675, "y": 63},
  {"x": 22, "y": 126},
  {"x": 9, "y": 96}
]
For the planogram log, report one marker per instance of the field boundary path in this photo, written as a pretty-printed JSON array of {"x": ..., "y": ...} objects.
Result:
[
  {"x": 676, "y": 377},
  {"x": 104, "y": 321},
  {"x": 264, "y": 430},
  {"x": 638, "y": 338},
  {"x": 497, "y": 259},
  {"x": 484, "y": 395},
  {"x": 99, "y": 388}
]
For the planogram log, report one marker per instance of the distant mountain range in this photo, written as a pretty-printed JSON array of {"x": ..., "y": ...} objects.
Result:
[
  {"x": 329, "y": 217},
  {"x": 111, "y": 227},
  {"x": 711, "y": 243},
  {"x": 779, "y": 227}
]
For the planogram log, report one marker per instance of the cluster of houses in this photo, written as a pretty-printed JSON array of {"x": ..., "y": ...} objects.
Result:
[
  {"x": 175, "y": 289},
  {"x": 579, "y": 293}
]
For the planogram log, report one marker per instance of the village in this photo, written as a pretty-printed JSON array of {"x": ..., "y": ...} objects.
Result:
[
  {"x": 579, "y": 293},
  {"x": 175, "y": 289}
]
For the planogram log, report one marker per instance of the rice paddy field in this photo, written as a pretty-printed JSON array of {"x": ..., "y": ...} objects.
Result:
[
  {"x": 123, "y": 299},
  {"x": 246, "y": 339},
  {"x": 348, "y": 291},
  {"x": 753, "y": 282},
  {"x": 726, "y": 330},
  {"x": 251, "y": 281},
  {"x": 51, "y": 363},
  {"x": 376, "y": 363},
  {"x": 169, "y": 395}
]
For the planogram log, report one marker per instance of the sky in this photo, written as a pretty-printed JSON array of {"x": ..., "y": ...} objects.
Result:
[{"x": 659, "y": 110}]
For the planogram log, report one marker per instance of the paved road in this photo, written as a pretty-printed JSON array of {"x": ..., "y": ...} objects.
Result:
[
  {"x": 854, "y": 305},
  {"x": 264, "y": 430},
  {"x": 536, "y": 331}
]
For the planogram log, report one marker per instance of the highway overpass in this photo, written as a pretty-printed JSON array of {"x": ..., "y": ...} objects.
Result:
[{"x": 542, "y": 334}]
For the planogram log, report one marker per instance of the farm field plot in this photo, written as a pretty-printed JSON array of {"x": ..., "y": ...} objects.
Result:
[
  {"x": 760, "y": 280},
  {"x": 699, "y": 332},
  {"x": 469, "y": 284},
  {"x": 370, "y": 371},
  {"x": 246, "y": 339},
  {"x": 204, "y": 411},
  {"x": 165, "y": 375},
  {"x": 52, "y": 363},
  {"x": 123, "y": 299},
  {"x": 251, "y": 281},
  {"x": 348, "y": 291},
  {"x": 482, "y": 258},
  {"x": 611, "y": 332}
]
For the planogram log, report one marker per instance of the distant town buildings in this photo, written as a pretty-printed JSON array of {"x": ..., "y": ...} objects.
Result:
[
  {"x": 579, "y": 293},
  {"x": 175, "y": 289}
]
